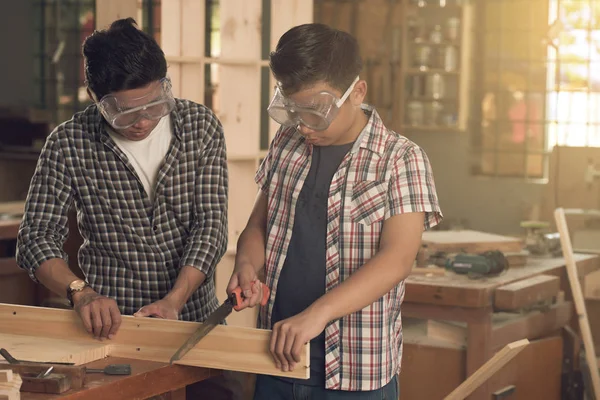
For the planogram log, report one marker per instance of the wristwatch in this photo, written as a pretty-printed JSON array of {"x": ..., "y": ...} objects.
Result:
[{"x": 76, "y": 286}]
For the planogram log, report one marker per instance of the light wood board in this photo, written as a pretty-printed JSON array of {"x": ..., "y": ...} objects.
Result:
[
  {"x": 10, "y": 390},
  {"x": 584, "y": 326},
  {"x": 488, "y": 369},
  {"x": 470, "y": 241},
  {"x": 526, "y": 292},
  {"x": 63, "y": 338}
]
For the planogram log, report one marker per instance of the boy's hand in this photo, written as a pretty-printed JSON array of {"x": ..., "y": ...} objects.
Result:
[
  {"x": 243, "y": 276},
  {"x": 290, "y": 335}
]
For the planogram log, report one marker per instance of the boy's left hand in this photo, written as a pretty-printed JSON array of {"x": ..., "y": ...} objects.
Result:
[{"x": 290, "y": 335}]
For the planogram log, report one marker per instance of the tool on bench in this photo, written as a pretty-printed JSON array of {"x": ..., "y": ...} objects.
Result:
[
  {"x": 488, "y": 263},
  {"x": 232, "y": 303},
  {"x": 112, "y": 369},
  {"x": 541, "y": 243}
]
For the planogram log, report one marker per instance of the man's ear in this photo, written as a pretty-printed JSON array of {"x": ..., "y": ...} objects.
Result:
[
  {"x": 359, "y": 93},
  {"x": 90, "y": 95}
]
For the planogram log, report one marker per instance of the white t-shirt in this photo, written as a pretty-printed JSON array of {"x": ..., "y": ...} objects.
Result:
[{"x": 147, "y": 155}]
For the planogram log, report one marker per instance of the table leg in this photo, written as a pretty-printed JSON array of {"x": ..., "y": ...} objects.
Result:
[{"x": 479, "y": 350}]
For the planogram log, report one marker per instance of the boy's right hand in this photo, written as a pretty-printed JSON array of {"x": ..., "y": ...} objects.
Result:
[{"x": 244, "y": 275}]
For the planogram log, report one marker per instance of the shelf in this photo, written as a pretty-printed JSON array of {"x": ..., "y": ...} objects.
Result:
[
  {"x": 431, "y": 128},
  {"x": 431, "y": 71},
  {"x": 217, "y": 60},
  {"x": 430, "y": 43}
]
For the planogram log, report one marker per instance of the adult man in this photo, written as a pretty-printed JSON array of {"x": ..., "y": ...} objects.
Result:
[
  {"x": 148, "y": 176},
  {"x": 337, "y": 224}
]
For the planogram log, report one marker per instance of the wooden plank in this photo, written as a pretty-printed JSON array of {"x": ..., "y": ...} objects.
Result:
[
  {"x": 27, "y": 348},
  {"x": 192, "y": 38},
  {"x": 480, "y": 376},
  {"x": 107, "y": 11},
  {"x": 12, "y": 208},
  {"x": 532, "y": 325},
  {"x": 170, "y": 37},
  {"x": 447, "y": 331},
  {"x": 6, "y": 376},
  {"x": 225, "y": 347},
  {"x": 470, "y": 241},
  {"x": 588, "y": 343},
  {"x": 526, "y": 292},
  {"x": 10, "y": 390}
]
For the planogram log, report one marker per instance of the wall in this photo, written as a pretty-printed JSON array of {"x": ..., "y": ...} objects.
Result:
[
  {"x": 16, "y": 73},
  {"x": 16, "y": 47},
  {"x": 487, "y": 204}
]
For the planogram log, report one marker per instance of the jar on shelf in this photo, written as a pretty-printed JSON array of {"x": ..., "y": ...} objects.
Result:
[
  {"x": 453, "y": 28},
  {"x": 433, "y": 113},
  {"x": 450, "y": 58},
  {"x": 435, "y": 86},
  {"x": 415, "y": 114},
  {"x": 422, "y": 56},
  {"x": 436, "y": 35}
]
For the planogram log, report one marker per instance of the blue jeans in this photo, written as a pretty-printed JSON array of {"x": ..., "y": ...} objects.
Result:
[{"x": 270, "y": 388}]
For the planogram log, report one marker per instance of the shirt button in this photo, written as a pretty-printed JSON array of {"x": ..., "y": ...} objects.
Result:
[
  {"x": 155, "y": 228},
  {"x": 168, "y": 264}
]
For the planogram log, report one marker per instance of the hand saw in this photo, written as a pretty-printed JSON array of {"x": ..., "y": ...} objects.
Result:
[{"x": 214, "y": 319}]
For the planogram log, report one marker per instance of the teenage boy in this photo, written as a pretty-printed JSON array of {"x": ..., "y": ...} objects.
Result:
[{"x": 337, "y": 224}]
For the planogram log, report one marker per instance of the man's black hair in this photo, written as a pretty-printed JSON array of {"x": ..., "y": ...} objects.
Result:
[
  {"x": 312, "y": 53},
  {"x": 122, "y": 57}
]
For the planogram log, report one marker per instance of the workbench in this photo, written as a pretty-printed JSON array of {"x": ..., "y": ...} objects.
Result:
[
  {"x": 453, "y": 297},
  {"x": 148, "y": 378}
]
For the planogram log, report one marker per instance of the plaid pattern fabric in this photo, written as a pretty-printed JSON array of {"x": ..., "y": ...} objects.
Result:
[
  {"x": 133, "y": 249},
  {"x": 383, "y": 175}
]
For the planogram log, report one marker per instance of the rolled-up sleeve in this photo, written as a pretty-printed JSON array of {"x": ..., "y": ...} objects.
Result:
[
  {"x": 412, "y": 187},
  {"x": 44, "y": 228},
  {"x": 208, "y": 239}
]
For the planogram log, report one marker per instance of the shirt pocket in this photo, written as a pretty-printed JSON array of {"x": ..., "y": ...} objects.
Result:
[{"x": 368, "y": 202}]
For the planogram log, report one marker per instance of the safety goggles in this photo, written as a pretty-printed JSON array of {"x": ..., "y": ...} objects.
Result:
[
  {"x": 317, "y": 114},
  {"x": 122, "y": 114}
]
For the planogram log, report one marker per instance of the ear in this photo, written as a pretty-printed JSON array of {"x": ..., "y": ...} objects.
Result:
[
  {"x": 90, "y": 95},
  {"x": 359, "y": 93}
]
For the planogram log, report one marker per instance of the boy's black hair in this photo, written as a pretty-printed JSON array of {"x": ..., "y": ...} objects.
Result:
[
  {"x": 122, "y": 57},
  {"x": 312, "y": 53}
]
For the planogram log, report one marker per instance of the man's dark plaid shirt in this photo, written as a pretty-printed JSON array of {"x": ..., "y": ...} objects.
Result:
[{"x": 132, "y": 250}]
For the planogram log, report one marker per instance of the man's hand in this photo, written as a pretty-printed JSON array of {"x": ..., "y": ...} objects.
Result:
[
  {"x": 290, "y": 335},
  {"x": 161, "y": 309},
  {"x": 100, "y": 314},
  {"x": 243, "y": 276}
]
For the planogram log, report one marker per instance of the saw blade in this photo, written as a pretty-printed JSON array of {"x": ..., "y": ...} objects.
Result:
[{"x": 213, "y": 320}]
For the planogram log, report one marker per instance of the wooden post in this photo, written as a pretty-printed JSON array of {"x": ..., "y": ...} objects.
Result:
[
  {"x": 584, "y": 326},
  {"x": 108, "y": 11}
]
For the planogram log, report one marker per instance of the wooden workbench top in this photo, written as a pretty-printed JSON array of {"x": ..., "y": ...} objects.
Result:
[
  {"x": 453, "y": 289},
  {"x": 148, "y": 378}
]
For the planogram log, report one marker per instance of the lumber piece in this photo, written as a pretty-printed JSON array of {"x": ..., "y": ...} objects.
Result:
[
  {"x": 487, "y": 370},
  {"x": 225, "y": 347},
  {"x": 584, "y": 326},
  {"x": 11, "y": 390},
  {"x": 526, "y": 292},
  {"x": 6, "y": 376},
  {"x": 470, "y": 241}
]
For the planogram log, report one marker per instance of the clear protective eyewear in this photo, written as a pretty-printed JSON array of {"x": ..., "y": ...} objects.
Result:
[
  {"x": 317, "y": 114},
  {"x": 124, "y": 114}
]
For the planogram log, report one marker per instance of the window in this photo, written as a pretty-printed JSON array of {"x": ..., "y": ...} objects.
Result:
[{"x": 536, "y": 84}]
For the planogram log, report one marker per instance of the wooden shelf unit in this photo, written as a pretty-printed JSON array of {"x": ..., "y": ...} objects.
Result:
[{"x": 239, "y": 71}]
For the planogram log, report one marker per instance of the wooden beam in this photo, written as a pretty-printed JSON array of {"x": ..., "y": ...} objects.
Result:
[
  {"x": 108, "y": 11},
  {"x": 225, "y": 347},
  {"x": 526, "y": 292},
  {"x": 533, "y": 325},
  {"x": 584, "y": 326},
  {"x": 488, "y": 369}
]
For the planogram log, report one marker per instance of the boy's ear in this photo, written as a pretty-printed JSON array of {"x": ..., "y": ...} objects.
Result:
[{"x": 359, "y": 93}]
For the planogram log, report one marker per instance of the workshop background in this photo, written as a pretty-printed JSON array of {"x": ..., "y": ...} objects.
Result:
[{"x": 503, "y": 95}]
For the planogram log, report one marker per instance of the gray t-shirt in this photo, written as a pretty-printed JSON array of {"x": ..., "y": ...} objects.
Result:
[{"x": 302, "y": 279}]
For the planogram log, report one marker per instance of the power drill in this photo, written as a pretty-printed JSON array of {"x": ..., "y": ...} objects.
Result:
[{"x": 484, "y": 264}]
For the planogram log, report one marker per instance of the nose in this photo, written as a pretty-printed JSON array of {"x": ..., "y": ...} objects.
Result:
[{"x": 304, "y": 130}]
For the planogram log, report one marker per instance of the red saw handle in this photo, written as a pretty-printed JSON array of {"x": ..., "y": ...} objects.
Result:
[{"x": 239, "y": 297}]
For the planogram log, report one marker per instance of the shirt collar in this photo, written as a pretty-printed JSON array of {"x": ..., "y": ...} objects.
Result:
[{"x": 372, "y": 137}]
